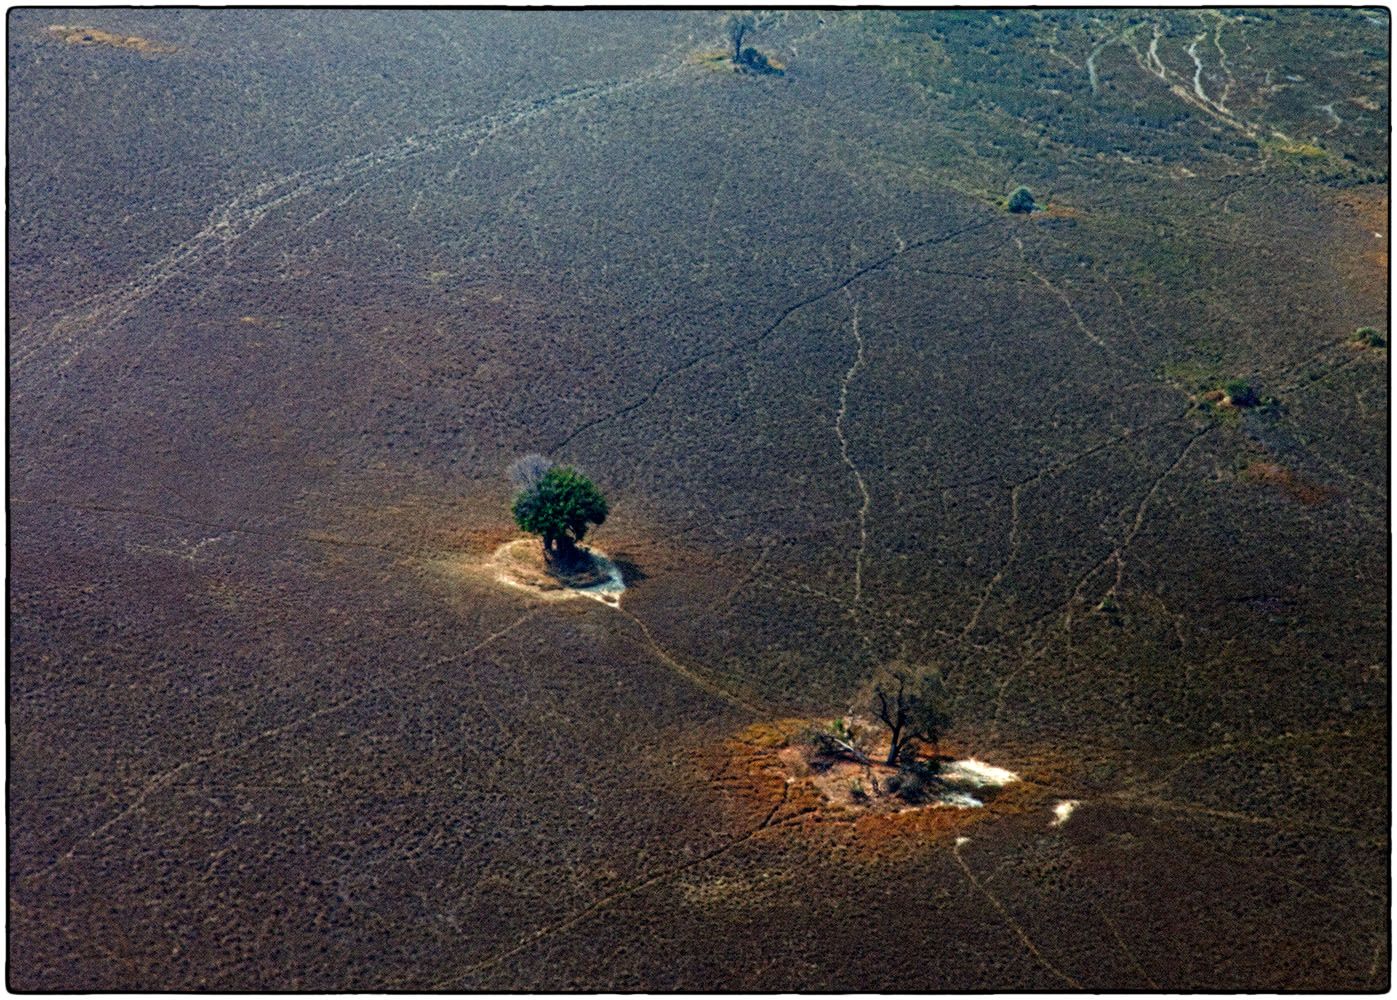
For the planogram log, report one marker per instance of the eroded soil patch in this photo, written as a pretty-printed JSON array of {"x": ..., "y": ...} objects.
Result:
[
  {"x": 1291, "y": 484},
  {"x": 773, "y": 765},
  {"x": 519, "y": 564},
  {"x": 96, "y": 36}
]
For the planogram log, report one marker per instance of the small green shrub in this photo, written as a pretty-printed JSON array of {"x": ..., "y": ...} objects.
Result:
[
  {"x": 1369, "y": 337},
  {"x": 1021, "y": 200}
]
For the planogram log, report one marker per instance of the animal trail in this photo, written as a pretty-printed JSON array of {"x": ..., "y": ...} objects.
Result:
[
  {"x": 843, "y": 413},
  {"x": 730, "y": 347},
  {"x": 1009, "y": 920},
  {"x": 162, "y": 780},
  {"x": 62, "y": 337}
]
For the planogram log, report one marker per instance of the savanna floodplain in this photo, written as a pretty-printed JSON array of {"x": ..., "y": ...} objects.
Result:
[{"x": 290, "y": 706}]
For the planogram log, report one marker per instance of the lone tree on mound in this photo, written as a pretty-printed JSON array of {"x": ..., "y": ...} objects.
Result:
[
  {"x": 558, "y": 503},
  {"x": 1021, "y": 200},
  {"x": 749, "y": 59},
  {"x": 912, "y": 703}
]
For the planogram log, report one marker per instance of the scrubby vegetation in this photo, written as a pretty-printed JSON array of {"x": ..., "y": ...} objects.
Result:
[
  {"x": 1021, "y": 201},
  {"x": 1367, "y": 336},
  {"x": 755, "y": 62}
]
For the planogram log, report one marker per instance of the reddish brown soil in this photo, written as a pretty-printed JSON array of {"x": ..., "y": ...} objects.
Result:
[
  {"x": 1362, "y": 248},
  {"x": 768, "y": 767},
  {"x": 1289, "y": 483}
]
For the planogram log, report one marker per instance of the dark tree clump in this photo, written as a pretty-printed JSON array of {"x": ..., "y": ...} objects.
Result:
[
  {"x": 558, "y": 503},
  {"x": 912, "y": 703},
  {"x": 914, "y": 781},
  {"x": 749, "y": 59},
  {"x": 754, "y": 62},
  {"x": 1240, "y": 392},
  {"x": 1369, "y": 337},
  {"x": 1021, "y": 200}
]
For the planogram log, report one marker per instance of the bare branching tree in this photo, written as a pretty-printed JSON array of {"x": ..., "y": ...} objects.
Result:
[
  {"x": 738, "y": 27},
  {"x": 525, "y": 472},
  {"x": 912, "y": 703}
]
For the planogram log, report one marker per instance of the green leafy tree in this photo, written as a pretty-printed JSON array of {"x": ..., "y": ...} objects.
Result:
[
  {"x": 913, "y": 704},
  {"x": 1021, "y": 200},
  {"x": 560, "y": 505}
]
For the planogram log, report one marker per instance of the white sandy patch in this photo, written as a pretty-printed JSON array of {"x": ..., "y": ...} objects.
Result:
[
  {"x": 976, "y": 774},
  {"x": 1062, "y": 811},
  {"x": 962, "y": 774},
  {"x": 513, "y": 570},
  {"x": 958, "y": 800},
  {"x": 609, "y": 590}
]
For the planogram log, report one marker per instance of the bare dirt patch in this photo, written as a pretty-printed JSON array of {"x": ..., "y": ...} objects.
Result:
[
  {"x": 1288, "y": 482},
  {"x": 520, "y": 564},
  {"x": 773, "y": 765},
  {"x": 1361, "y": 252},
  {"x": 96, "y": 36}
]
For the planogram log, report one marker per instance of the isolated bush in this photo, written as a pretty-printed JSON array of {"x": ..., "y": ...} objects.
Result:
[
  {"x": 1240, "y": 392},
  {"x": 560, "y": 506},
  {"x": 754, "y": 61},
  {"x": 1369, "y": 336},
  {"x": 738, "y": 27},
  {"x": 915, "y": 780},
  {"x": 906, "y": 785},
  {"x": 1021, "y": 200}
]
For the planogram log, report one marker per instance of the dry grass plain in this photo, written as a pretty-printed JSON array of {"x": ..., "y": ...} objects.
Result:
[{"x": 288, "y": 291}]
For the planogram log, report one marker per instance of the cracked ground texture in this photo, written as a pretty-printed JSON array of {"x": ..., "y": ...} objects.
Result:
[{"x": 290, "y": 289}]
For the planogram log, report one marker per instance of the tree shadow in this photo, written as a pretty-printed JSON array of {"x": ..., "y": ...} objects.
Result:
[{"x": 631, "y": 573}]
